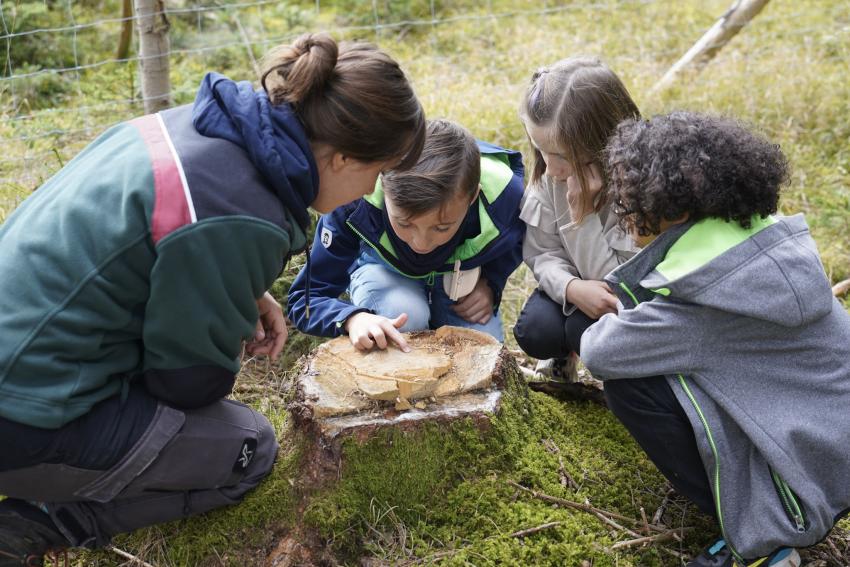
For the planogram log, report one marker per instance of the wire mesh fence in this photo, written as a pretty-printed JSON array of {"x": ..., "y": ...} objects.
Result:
[{"x": 61, "y": 83}]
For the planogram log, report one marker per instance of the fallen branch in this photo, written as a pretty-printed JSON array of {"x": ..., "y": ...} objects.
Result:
[
  {"x": 727, "y": 27},
  {"x": 841, "y": 288},
  {"x": 540, "y": 528},
  {"x": 651, "y": 539},
  {"x": 566, "y": 479},
  {"x": 129, "y": 556},
  {"x": 606, "y": 520},
  {"x": 610, "y": 516},
  {"x": 656, "y": 518}
]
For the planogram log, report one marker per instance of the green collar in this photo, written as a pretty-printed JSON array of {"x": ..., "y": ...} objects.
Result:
[
  {"x": 495, "y": 176},
  {"x": 705, "y": 241}
]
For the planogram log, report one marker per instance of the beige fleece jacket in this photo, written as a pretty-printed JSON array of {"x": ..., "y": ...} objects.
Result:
[{"x": 559, "y": 250}]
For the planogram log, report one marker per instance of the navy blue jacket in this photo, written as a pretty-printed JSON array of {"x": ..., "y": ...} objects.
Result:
[{"x": 342, "y": 235}]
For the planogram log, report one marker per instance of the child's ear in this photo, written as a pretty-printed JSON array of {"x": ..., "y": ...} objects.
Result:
[
  {"x": 475, "y": 195},
  {"x": 339, "y": 161}
]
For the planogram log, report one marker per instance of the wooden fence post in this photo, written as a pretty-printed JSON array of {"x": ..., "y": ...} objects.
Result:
[{"x": 153, "y": 54}]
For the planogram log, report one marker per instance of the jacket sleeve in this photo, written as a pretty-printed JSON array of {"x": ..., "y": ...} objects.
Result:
[
  {"x": 508, "y": 256},
  {"x": 202, "y": 304},
  {"x": 559, "y": 250},
  {"x": 335, "y": 248},
  {"x": 657, "y": 337},
  {"x": 542, "y": 250},
  {"x": 588, "y": 245}
]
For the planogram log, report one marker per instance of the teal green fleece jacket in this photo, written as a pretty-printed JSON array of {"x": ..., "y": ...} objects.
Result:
[{"x": 143, "y": 257}]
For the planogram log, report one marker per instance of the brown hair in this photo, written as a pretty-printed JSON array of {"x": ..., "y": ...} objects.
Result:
[
  {"x": 584, "y": 100},
  {"x": 450, "y": 165},
  {"x": 352, "y": 96}
]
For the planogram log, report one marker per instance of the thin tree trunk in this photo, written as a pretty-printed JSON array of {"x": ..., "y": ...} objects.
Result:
[
  {"x": 126, "y": 29},
  {"x": 727, "y": 27},
  {"x": 153, "y": 54}
]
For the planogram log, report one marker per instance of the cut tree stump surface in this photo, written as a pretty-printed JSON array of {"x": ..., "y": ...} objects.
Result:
[{"x": 448, "y": 372}]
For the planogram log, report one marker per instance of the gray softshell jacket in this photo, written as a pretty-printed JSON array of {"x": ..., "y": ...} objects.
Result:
[{"x": 744, "y": 326}]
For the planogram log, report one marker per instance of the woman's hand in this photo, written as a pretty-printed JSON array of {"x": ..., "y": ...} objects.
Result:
[
  {"x": 367, "y": 330},
  {"x": 580, "y": 208},
  {"x": 271, "y": 333},
  {"x": 593, "y": 297},
  {"x": 477, "y": 307}
]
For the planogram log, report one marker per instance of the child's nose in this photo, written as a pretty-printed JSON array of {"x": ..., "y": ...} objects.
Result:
[{"x": 556, "y": 170}]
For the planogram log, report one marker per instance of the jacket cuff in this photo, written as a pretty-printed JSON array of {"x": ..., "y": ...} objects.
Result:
[
  {"x": 345, "y": 315},
  {"x": 191, "y": 387},
  {"x": 568, "y": 308}
]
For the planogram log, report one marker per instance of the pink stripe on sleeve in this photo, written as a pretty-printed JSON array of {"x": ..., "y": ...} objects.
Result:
[{"x": 170, "y": 211}]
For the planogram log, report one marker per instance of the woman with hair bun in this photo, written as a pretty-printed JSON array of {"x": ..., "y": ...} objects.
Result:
[{"x": 132, "y": 278}]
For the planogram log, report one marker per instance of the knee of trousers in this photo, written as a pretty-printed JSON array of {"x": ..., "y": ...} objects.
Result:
[
  {"x": 418, "y": 311},
  {"x": 633, "y": 398},
  {"x": 266, "y": 453},
  {"x": 535, "y": 339}
]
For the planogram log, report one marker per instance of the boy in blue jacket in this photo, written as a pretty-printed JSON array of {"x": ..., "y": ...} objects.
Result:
[{"x": 431, "y": 246}]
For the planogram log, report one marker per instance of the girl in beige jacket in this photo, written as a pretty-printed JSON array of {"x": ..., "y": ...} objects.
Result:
[{"x": 572, "y": 240}]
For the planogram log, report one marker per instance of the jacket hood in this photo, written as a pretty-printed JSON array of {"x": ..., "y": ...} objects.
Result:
[
  {"x": 771, "y": 271},
  {"x": 271, "y": 135}
]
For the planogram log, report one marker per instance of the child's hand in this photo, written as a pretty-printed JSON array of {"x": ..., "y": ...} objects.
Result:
[
  {"x": 367, "y": 330},
  {"x": 593, "y": 297},
  {"x": 593, "y": 176},
  {"x": 271, "y": 333},
  {"x": 477, "y": 307}
]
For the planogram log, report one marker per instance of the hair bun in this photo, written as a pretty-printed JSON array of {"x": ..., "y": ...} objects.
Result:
[{"x": 294, "y": 73}]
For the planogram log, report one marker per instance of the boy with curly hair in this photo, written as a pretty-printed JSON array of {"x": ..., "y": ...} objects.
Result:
[{"x": 729, "y": 313}]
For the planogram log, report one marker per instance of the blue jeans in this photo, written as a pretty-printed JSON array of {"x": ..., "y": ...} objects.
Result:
[{"x": 377, "y": 286}]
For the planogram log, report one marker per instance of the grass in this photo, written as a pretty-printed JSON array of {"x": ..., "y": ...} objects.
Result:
[{"x": 786, "y": 73}]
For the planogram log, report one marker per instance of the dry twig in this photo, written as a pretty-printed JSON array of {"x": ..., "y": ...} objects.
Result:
[
  {"x": 656, "y": 518},
  {"x": 534, "y": 530},
  {"x": 129, "y": 556},
  {"x": 650, "y": 539},
  {"x": 567, "y": 481},
  {"x": 610, "y": 516},
  {"x": 644, "y": 520}
]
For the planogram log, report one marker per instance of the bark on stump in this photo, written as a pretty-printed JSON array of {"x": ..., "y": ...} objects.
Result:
[{"x": 344, "y": 395}]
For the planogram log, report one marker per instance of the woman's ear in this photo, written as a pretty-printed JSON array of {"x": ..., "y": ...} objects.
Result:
[{"x": 338, "y": 161}]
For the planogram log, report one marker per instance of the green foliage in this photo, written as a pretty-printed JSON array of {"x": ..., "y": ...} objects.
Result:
[{"x": 448, "y": 500}]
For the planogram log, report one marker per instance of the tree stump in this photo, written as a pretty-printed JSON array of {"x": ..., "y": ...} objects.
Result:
[{"x": 398, "y": 411}]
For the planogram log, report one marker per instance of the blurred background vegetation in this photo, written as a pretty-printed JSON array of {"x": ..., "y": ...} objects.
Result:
[{"x": 787, "y": 73}]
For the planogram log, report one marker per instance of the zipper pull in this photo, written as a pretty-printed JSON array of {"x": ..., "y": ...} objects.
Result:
[{"x": 453, "y": 295}]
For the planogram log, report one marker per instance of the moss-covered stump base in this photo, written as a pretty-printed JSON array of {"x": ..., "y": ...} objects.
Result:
[
  {"x": 475, "y": 405},
  {"x": 389, "y": 429}
]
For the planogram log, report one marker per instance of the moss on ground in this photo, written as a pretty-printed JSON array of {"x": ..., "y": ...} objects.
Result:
[
  {"x": 786, "y": 72},
  {"x": 443, "y": 491}
]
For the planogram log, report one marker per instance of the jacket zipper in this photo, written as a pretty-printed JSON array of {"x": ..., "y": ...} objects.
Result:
[
  {"x": 430, "y": 276},
  {"x": 704, "y": 421},
  {"x": 789, "y": 502}
]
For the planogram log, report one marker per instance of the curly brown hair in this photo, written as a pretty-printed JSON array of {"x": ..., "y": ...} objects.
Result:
[{"x": 686, "y": 163}]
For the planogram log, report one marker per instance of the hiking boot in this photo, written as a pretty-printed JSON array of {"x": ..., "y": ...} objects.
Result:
[
  {"x": 557, "y": 370},
  {"x": 27, "y": 534},
  {"x": 718, "y": 554}
]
